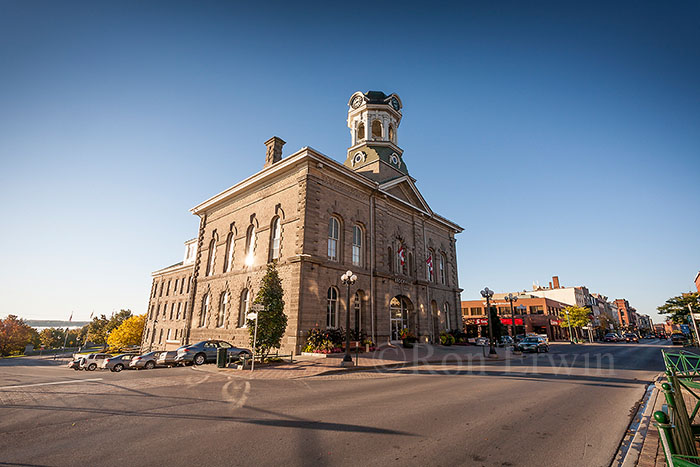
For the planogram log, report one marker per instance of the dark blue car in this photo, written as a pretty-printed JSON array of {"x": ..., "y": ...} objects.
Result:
[{"x": 205, "y": 351}]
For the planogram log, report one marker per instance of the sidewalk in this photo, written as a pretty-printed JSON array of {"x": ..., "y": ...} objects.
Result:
[{"x": 385, "y": 357}]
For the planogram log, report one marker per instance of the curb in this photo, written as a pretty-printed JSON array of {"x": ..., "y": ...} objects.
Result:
[{"x": 632, "y": 443}]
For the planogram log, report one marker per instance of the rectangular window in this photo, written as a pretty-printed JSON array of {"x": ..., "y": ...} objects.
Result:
[
  {"x": 182, "y": 285},
  {"x": 155, "y": 289},
  {"x": 536, "y": 310},
  {"x": 160, "y": 294},
  {"x": 189, "y": 279},
  {"x": 357, "y": 246},
  {"x": 160, "y": 337},
  {"x": 172, "y": 310},
  {"x": 169, "y": 332},
  {"x": 476, "y": 311},
  {"x": 167, "y": 290},
  {"x": 503, "y": 310},
  {"x": 179, "y": 305},
  {"x": 175, "y": 289}
]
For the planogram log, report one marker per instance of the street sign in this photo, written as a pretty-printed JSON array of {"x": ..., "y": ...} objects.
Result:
[
  {"x": 251, "y": 315},
  {"x": 696, "y": 316},
  {"x": 257, "y": 307}
]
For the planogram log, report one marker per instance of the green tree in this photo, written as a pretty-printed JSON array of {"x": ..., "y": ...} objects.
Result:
[
  {"x": 128, "y": 333},
  {"x": 498, "y": 328},
  {"x": 576, "y": 316},
  {"x": 677, "y": 307},
  {"x": 52, "y": 338},
  {"x": 605, "y": 322},
  {"x": 99, "y": 328},
  {"x": 15, "y": 334},
  {"x": 272, "y": 323}
]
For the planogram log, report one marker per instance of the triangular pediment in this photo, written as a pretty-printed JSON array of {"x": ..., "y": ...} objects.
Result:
[{"x": 404, "y": 189}]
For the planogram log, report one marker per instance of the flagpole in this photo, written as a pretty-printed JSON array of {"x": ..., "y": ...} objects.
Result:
[{"x": 65, "y": 339}]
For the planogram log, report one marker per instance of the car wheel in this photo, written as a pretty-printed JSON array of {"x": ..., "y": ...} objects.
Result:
[
  {"x": 150, "y": 365},
  {"x": 118, "y": 367},
  {"x": 92, "y": 367},
  {"x": 199, "y": 359}
]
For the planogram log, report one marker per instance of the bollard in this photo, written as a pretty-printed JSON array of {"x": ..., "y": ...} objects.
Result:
[{"x": 662, "y": 423}]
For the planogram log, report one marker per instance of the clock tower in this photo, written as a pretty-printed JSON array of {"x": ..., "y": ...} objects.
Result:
[{"x": 373, "y": 119}]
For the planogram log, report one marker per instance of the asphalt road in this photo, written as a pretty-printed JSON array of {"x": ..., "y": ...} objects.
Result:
[{"x": 569, "y": 407}]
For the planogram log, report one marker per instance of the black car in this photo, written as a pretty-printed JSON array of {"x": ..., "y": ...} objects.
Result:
[
  {"x": 678, "y": 339},
  {"x": 205, "y": 351},
  {"x": 533, "y": 344}
]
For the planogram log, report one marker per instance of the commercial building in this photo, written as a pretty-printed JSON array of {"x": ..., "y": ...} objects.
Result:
[
  {"x": 316, "y": 218},
  {"x": 538, "y": 314},
  {"x": 627, "y": 315}
]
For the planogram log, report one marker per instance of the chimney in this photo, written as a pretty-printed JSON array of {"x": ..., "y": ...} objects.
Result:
[
  {"x": 555, "y": 279},
  {"x": 550, "y": 285},
  {"x": 274, "y": 151}
]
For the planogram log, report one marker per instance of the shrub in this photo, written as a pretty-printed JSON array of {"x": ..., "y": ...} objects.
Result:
[
  {"x": 447, "y": 338},
  {"x": 324, "y": 341}
]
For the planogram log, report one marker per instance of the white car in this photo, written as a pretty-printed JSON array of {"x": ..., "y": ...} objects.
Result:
[{"x": 93, "y": 360}]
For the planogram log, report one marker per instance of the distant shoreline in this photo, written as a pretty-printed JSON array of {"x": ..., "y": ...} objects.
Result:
[{"x": 48, "y": 323}]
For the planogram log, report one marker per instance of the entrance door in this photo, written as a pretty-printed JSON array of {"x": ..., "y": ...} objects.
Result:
[
  {"x": 436, "y": 322},
  {"x": 398, "y": 309}
]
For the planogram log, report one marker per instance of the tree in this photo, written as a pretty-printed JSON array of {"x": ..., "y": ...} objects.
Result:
[
  {"x": 576, "y": 316},
  {"x": 677, "y": 307},
  {"x": 128, "y": 333},
  {"x": 498, "y": 328},
  {"x": 99, "y": 328},
  {"x": 52, "y": 338},
  {"x": 272, "y": 323},
  {"x": 15, "y": 334},
  {"x": 605, "y": 322}
]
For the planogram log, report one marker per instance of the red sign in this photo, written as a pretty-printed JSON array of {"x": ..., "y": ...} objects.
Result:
[
  {"x": 509, "y": 321},
  {"x": 554, "y": 322}
]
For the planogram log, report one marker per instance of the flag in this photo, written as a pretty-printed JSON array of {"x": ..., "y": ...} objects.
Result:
[
  {"x": 429, "y": 262},
  {"x": 402, "y": 255},
  {"x": 91, "y": 315},
  {"x": 71, "y": 317}
]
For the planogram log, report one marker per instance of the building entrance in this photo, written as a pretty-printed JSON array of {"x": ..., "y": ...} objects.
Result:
[{"x": 399, "y": 307}]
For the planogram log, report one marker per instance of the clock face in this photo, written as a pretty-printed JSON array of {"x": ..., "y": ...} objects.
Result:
[
  {"x": 395, "y": 103},
  {"x": 356, "y": 102}
]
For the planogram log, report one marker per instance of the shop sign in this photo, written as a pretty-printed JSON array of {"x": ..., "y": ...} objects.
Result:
[
  {"x": 478, "y": 321},
  {"x": 509, "y": 321}
]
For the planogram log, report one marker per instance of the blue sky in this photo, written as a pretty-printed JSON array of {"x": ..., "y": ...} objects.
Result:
[{"x": 564, "y": 138}]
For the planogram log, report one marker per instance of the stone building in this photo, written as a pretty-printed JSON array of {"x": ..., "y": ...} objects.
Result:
[{"x": 317, "y": 218}]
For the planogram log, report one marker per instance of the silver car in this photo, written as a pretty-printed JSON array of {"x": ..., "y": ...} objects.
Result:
[
  {"x": 148, "y": 360},
  {"x": 117, "y": 363}
]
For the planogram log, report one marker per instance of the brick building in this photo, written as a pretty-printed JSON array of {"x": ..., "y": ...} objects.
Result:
[
  {"x": 697, "y": 281},
  {"x": 316, "y": 218},
  {"x": 538, "y": 314},
  {"x": 627, "y": 316}
]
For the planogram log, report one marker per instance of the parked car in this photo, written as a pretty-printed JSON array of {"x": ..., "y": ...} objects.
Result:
[
  {"x": 167, "y": 358},
  {"x": 148, "y": 360},
  {"x": 630, "y": 337},
  {"x": 482, "y": 341},
  {"x": 533, "y": 344},
  {"x": 505, "y": 341},
  {"x": 76, "y": 363},
  {"x": 118, "y": 362},
  {"x": 611, "y": 337},
  {"x": 205, "y": 351},
  {"x": 92, "y": 361},
  {"x": 678, "y": 338}
]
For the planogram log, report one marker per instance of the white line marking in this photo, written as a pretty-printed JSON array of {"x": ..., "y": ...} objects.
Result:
[{"x": 55, "y": 382}]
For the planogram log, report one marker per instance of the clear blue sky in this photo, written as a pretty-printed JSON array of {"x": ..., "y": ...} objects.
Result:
[{"x": 564, "y": 138}]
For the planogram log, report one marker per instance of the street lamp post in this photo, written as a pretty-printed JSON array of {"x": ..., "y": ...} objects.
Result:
[
  {"x": 487, "y": 294},
  {"x": 348, "y": 279},
  {"x": 510, "y": 298},
  {"x": 568, "y": 320}
]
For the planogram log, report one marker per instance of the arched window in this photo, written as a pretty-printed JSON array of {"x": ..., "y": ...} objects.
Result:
[
  {"x": 392, "y": 134},
  {"x": 376, "y": 129},
  {"x": 212, "y": 256},
  {"x": 332, "y": 308},
  {"x": 221, "y": 318},
  {"x": 357, "y": 307},
  {"x": 443, "y": 272},
  {"x": 205, "y": 311},
  {"x": 275, "y": 239},
  {"x": 250, "y": 245},
  {"x": 448, "y": 321},
  {"x": 333, "y": 237},
  {"x": 390, "y": 259},
  {"x": 360, "y": 132},
  {"x": 429, "y": 264},
  {"x": 243, "y": 309},
  {"x": 357, "y": 245},
  {"x": 228, "y": 261}
]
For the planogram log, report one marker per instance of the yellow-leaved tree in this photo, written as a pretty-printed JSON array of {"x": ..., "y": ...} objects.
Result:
[{"x": 128, "y": 333}]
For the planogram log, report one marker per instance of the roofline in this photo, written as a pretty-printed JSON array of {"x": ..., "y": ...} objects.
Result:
[
  {"x": 173, "y": 268},
  {"x": 308, "y": 152}
]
